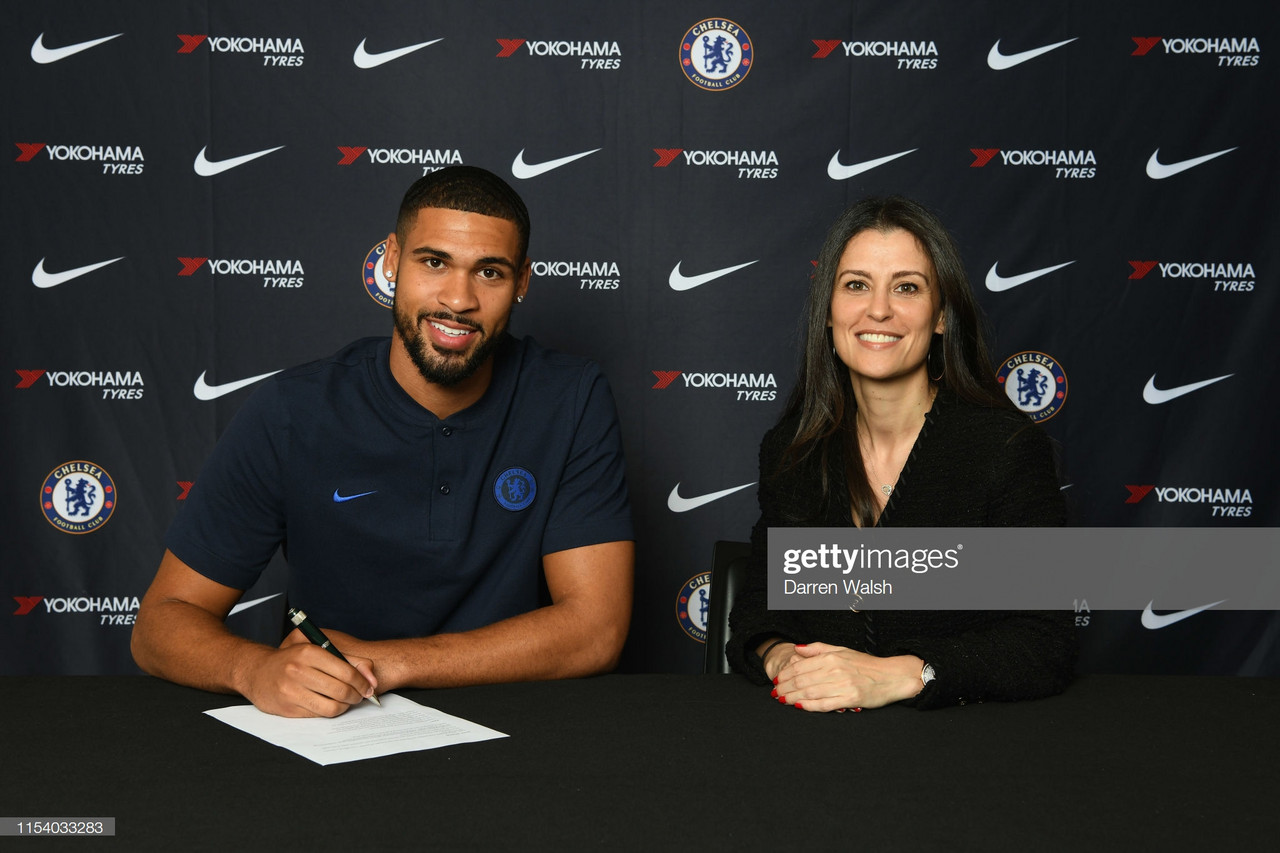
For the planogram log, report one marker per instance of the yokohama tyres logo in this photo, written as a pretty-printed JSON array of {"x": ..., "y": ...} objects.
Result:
[
  {"x": 1143, "y": 45},
  {"x": 665, "y": 377},
  {"x": 825, "y": 47},
  {"x": 509, "y": 46},
  {"x": 982, "y": 156},
  {"x": 28, "y": 150},
  {"x": 1137, "y": 493},
  {"x": 666, "y": 156},
  {"x": 1226, "y": 276},
  {"x": 28, "y": 377},
  {"x": 190, "y": 43},
  {"x": 190, "y": 265},
  {"x": 350, "y": 154},
  {"x": 1140, "y": 269},
  {"x": 26, "y": 603}
]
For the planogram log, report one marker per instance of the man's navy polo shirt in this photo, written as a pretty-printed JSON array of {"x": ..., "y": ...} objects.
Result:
[{"x": 396, "y": 523}]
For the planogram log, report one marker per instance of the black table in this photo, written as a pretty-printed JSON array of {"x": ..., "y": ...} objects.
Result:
[{"x": 665, "y": 762}]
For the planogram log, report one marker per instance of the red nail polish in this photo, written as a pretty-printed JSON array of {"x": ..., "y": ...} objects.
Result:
[
  {"x": 774, "y": 694},
  {"x": 782, "y": 699},
  {"x": 798, "y": 705},
  {"x": 802, "y": 645},
  {"x": 775, "y": 681},
  {"x": 857, "y": 710}
]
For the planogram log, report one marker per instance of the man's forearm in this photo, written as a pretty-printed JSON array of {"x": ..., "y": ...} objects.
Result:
[
  {"x": 185, "y": 644},
  {"x": 548, "y": 643}
]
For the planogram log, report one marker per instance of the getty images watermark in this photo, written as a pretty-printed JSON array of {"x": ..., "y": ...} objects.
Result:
[{"x": 1022, "y": 568}]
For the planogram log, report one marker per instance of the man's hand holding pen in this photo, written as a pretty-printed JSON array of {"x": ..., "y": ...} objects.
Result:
[{"x": 306, "y": 676}]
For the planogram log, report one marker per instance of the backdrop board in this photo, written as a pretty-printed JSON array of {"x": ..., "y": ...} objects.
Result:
[{"x": 195, "y": 195}]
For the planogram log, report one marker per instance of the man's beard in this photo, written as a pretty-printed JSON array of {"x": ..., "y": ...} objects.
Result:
[{"x": 443, "y": 367}]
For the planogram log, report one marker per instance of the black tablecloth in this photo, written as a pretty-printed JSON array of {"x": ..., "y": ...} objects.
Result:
[{"x": 666, "y": 762}]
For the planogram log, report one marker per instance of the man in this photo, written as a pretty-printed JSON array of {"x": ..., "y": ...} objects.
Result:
[{"x": 431, "y": 491}]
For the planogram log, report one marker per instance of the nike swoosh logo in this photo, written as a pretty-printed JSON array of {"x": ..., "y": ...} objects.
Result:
[
  {"x": 1159, "y": 171},
  {"x": 364, "y": 59},
  {"x": 1153, "y": 622},
  {"x": 839, "y": 172},
  {"x": 205, "y": 391},
  {"x": 689, "y": 282},
  {"x": 41, "y": 278},
  {"x": 245, "y": 605},
  {"x": 207, "y": 168},
  {"x": 1156, "y": 396},
  {"x": 45, "y": 55},
  {"x": 341, "y": 499},
  {"x": 997, "y": 282},
  {"x": 524, "y": 171},
  {"x": 999, "y": 61},
  {"x": 675, "y": 503}
]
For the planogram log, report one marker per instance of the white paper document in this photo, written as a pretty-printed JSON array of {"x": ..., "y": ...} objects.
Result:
[{"x": 366, "y": 731}]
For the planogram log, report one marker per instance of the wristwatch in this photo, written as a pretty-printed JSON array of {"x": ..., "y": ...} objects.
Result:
[{"x": 926, "y": 675}]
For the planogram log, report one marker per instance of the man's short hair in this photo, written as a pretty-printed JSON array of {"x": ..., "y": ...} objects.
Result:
[{"x": 469, "y": 189}]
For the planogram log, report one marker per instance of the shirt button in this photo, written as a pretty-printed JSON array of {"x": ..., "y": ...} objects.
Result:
[
  {"x": 446, "y": 431},
  {"x": 444, "y": 490}
]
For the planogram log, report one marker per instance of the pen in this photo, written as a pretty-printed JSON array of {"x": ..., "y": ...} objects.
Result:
[{"x": 316, "y": 636}]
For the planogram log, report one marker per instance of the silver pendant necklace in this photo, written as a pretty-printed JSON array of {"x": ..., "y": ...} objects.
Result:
[{"x": 887, "y": 488}]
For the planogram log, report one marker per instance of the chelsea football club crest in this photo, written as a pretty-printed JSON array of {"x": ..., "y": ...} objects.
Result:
[
  {"x": 78, "y": 497},
  {"x": 515, "y": 489},
  {"x": 716, "y": 54},
  {"x": 374, "y": 277},
  {"x": 1035, "y": 382},
  {"x": 693, "y": 606}
]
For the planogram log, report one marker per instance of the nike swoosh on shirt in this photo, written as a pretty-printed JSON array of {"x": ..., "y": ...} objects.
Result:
[
  {"x": 675, "y": 503},
  {"x": 1153, "y": 622},
  {"x": 1155, "y": 396},
  {"x": 524, "y": 171},
  {"x": 245, "y": 605},
  {"x": 207, "y": 168},
  {"x": 41, "y": 278},
  {"x": 689, "y": 282},
  {"x": 999, "y": 61},
  {"x": 341, "y": 499},
  {"x": 839, "y": 172},
  {"x": 997, "y": 282},
  {"x": 1159, "y": 171},
  {"x": 364, "y": 59},
  {"x": 205, "y": 391},
  {"x": 45, "y": 55}
]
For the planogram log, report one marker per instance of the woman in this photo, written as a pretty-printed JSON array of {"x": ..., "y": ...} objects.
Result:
[{"x": 897, "y": 421}]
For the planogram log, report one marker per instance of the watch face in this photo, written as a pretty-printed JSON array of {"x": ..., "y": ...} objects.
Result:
[{"x": 927, "y": 674}]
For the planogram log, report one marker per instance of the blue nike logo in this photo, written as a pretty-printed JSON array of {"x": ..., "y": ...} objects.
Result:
[{"x": 341, "y": 499}]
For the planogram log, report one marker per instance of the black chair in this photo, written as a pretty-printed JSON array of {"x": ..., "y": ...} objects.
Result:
[{"x": 728, "y": 567}]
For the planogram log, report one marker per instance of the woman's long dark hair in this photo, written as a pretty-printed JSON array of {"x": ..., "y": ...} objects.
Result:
[{"x": 823, "y": 400}]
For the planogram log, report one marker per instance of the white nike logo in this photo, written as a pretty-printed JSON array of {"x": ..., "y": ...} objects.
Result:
[
  {"x": 207, "y": 168},
  {"x": 245, "y": 605},
  {"x": 364, "y": 59},
  {"x": 1159, "y": 171},
  {"x": 40, "y": 278},
  {"x": 524, "y": 171},
  {"x": 205, "y": 391},
  {"x": 1156, "y": 396},
  {"x": 1153, "y": 622},
  {"x": 689, "y": 282},
  {"x": 997, "y": 282},
  {"x": 838, "y": 172},
  {"x": 45, "y": 55},
  {"x": 999, "y": 61},
  {"x": 675, "y": 503}
]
